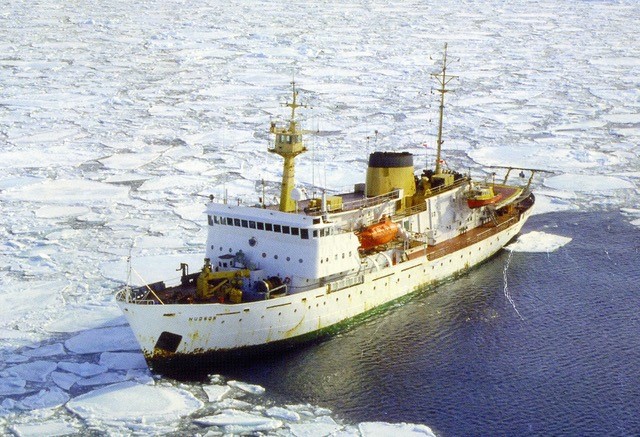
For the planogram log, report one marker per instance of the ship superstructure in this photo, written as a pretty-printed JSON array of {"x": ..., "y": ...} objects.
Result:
[{"x": 273, "y": 275}]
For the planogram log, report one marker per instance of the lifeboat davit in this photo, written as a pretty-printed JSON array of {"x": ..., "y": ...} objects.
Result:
[
  {"x": 482, "y": 196},
  {"x": 377, "y": 234}
]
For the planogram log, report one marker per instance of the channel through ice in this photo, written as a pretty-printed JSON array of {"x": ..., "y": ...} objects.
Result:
[{"x": 118, "y": 120}]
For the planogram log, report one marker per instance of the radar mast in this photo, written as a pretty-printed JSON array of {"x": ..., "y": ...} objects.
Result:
[{"x": 288, "y": 144}]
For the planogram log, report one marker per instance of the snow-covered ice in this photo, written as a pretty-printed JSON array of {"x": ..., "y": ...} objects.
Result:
[
  {"x": 133, "y": 403},
  {"x": 537, "y": 241},
  {"x": 117, "y": 338}
]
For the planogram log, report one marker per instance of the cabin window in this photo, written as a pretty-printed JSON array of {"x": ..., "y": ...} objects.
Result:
[
  {"x": 276, "y": 228},
  {"x": 268, "y": 227},
  {"x": 304, "y": 234},
  {"x": 245, "y": 224},
  {"x": 252, "y": 224},
  {"x": 236, "y": 222},
  {"x": 285, "y": 230},
  {"x": 260, "y": 226},
  {"x": 315, "y": 233},
  {"x": 316, "y": 221},
  {"x": 229, "y": 221},
  {"x": 295, "y": 231},
  {"x": 210, "y": 220},
  {"x": 216, "y": 219}
]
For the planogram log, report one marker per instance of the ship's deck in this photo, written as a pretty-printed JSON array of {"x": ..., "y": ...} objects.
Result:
[{"x": 498, "y": 224}]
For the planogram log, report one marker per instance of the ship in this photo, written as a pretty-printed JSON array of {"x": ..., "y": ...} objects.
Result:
[{"x": 275, "y": 276}]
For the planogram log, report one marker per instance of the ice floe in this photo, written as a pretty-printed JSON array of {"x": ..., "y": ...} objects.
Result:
[
  {"x": 537, "y": 241},
  {"x": 114, "y": 339},
  {"x": 123, "y": 360},
  {"x": 588, "y": 183},
  {"x": 36, "y": 371},
  {"x": 51, "y": 428},
  {"x": 383, "y": 429},
  {"x": 130, "y": 404},
  {"x": 240, "y": 422},
  {"x": 67, "y": 191}
]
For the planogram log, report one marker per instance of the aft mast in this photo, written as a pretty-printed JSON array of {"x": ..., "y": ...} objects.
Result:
[
  {"x": 288, "y": 144},
  {"x": 443, "y": 80}
]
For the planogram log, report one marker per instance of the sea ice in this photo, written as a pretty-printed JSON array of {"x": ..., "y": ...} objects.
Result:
[
  {"x": 131, "y": 403},
  {"x": 128, "y": 161},
  {"x": 320, "y": 426},
  {"x": 215, "y": 392},
  {"x": 82, "y": 369},
  {"x": 83, "y": 317},
  {"x": 247, "y": 388},
  {"x": 47, "y": 398},
  {"x": 67, "y": 191},
  {"x": 283, "y": 413},
  {"x": 103, "y": 340},
  {"x": 12, "y": 385},
  {"x": 36, "y": 371},
  {"x": 537, "y": 241},
  {"x": 64, "y": 380},
  {"x": 587, "y": 183},
  {"x": 382, "y": 429},
  {"x": 123, "y": 360},
  {"x": 240, "y": 422},
  {"x": 50, "y": 350},
  {"x": 61, "y": 211},
  {"x": 103, "y": 379},
  {"x": 17, "y": 302},
  {"x": 51, "y": 428}
]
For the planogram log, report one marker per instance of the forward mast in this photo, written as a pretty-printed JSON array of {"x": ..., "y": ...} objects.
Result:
[{"x": 288, "y": 144}]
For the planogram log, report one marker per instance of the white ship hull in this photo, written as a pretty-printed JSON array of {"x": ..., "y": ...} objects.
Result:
[{"x": 217, "y": 332}]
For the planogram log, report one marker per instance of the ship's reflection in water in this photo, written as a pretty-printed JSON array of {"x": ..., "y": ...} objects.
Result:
[{"x": 461, "y": 360}]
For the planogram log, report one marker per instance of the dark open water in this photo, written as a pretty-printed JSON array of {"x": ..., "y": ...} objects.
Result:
[{"x": 461, "y": 360}]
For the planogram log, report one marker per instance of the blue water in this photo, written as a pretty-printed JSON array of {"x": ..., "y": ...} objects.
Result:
[{"x": 460, "y": 359}]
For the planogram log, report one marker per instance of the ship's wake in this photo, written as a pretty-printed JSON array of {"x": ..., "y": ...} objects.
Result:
[{"x": 506, "y": 292}]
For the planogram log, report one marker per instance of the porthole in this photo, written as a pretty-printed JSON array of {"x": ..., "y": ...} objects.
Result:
[
  {"x": 288, "y": 259},
  {"x": 264, "y": 255},
  {"x": 230, "y": 250},
  {"x": 300, "y": 260},
  {"x": 275, "y": 256}
]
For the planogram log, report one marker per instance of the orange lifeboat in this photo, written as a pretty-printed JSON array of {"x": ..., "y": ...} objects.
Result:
[
  {"x": 377, "y": 234},
  {"x": 482, "y": 196}
]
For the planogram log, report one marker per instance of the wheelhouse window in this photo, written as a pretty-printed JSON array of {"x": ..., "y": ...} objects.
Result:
[
  {"x": 260, "y": 226},
  {"x": 295, "y": 231},
  {"x": 245, "y": 224},
  {"x": 286, "y": 230},
  {"x": 236, "y": 222},
  {"x": 252, "y": 224},
  {"x": 210, "y": 220},
  {"x": 268, "y": 227},
  {"x": 277, "y": 228},
  {"x": 304, "y": 234}
]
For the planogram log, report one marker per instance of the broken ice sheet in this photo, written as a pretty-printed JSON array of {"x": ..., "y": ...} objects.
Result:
[
  {"x": 134, "y": 404},
  {"x": 102, "y": 340}
]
